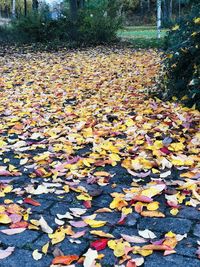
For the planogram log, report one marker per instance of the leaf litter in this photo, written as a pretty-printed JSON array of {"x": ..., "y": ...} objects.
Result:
[{"x": 55, "y": 105}]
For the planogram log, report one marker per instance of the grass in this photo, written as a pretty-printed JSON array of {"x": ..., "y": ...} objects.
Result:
[{"x": 142, "y": 36}]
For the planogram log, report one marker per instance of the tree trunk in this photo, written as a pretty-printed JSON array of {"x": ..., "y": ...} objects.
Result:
[
  {"x": 25, "y": 8},
  {"x": 13, "y": 9},
  {"x": 170, "y": 9},
  {"x": 35, "y": 5},
  {"x": 149, "y": 5},
  {"x": 81, "y": 3},
  {"x": 74, "y": 16},
  {"x": 142, "y": 7},
  {"x": 73, "y": 9},
  {"x": 159, "y": 11}
]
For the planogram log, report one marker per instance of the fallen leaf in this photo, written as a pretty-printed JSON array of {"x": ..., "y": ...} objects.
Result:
[
  {"x": 133, "y": 239},
  {"x": 6, "y": 252},
  {"x": 13, "y": 231},
  {"x": 94, "y": 223},
  {"x": 147, "y": 234},
  {"x": 99, "y": 244},
  {"x": 36, "y": 255},
  {"x": 65, "y": 260},
  {"x": 90, "y": 257}
]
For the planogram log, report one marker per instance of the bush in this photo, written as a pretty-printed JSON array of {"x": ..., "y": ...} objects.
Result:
[
  {"x": 97, "y": 23},
  {"x": 182, "y": 66}
]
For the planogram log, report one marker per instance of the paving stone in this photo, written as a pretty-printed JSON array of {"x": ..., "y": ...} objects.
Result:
[
  {"x": 69, "y": 248},
  {"x": 19, "y": 240},
  {"x": 62, "y": 208},
  {"x": 189, "y": 213},
  {"x": 45, "y": 204},
  {"x": 174, "y": 260},
  {"x": 111, "y": 218},
  {"x": 69, "y": 197},
  {"x": 102, "y": 201},
  {"x": 196, "y": 231},
  {"x": 163, "y": 225},
  {"x": 118, "y": 230},
  {"x": 109, "y": 260},
  {"x": 131, "y": 219},
  {"x": 187, "y": 247},
  {"x": 48, "y": 218},
  {"x": 23, "y": 258},
  {"x": 121, "y": 175}
]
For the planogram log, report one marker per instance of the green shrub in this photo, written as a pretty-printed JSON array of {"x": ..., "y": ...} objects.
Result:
[
  {"x": 182, "y": 66},
  {"x": 97, "y": 23}
]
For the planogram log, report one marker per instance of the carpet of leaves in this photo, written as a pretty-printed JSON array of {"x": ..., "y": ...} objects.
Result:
[{"x": 80, "y": 124}]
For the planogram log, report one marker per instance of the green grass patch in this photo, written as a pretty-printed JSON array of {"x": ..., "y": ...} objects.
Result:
[{"x": 142, "y": 36}]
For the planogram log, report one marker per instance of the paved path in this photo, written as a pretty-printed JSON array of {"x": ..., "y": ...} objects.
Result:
[{"x": 41, "y": 97}]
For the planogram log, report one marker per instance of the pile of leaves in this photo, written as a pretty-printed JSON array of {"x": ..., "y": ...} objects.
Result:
[
  {"x": 182, "y": 79},
  {"x": 74, "y": 120}
]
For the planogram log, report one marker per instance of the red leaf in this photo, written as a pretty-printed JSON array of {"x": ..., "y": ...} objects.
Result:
[
  {"x": 87, "y": 204},
  {"x": 99, "y": 244},
  {"x": 32, "y": 202},
  {"x": 65, "y": 260},
  {"x": 165, "y": 150},
  {"x": 21, "y": 224},
  {"x": 131, "y": 264}
]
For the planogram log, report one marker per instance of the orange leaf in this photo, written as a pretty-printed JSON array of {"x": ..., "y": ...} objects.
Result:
[
  {"x": 156, "y": 247},
  {"x": 32, "y": 202},
  {"x": 65, "y": 260},
  {"x": 22, "y": 224},
  {"x": 149, "y": 213}
]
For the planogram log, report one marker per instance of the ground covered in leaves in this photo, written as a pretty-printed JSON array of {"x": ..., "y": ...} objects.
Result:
[{"x": 93, "y": 171}]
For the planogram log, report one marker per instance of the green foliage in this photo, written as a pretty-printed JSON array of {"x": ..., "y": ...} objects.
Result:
[
  {"x": 183, "y": 60},
  {"x": 96, "y": 23}
]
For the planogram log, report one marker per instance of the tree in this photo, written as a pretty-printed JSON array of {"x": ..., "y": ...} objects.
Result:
[
  {"x": 35, "y": 5},
  {"x": 73, "y": 9},
  {"x": 14, "y": 9},
  {"x": 159, "y": 11},
  {"x": 25, "y": 8}
]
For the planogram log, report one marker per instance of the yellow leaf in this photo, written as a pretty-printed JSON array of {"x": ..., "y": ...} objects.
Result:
[
  {"x": 176, "y": 146},
  {"x": 153, "y": 206},
  {"x": 174, "y": 211},
  {"x": 101, "y": 234},
  {"x": 170, "y": 234},
  {"x": 114, "y": 157},
  {"x": 129, "y": 122},
  {"x": 94, "y": 223},
  {"x": 118, "y": 247},
  {"x": 84, "y": 197},
  {"x": 5, "y": 219},
  {"x": 118, "y": 203},
  {"x": 57, "y": 237},
  {"x": 2, "y": 143},
  {"x": 142, "y": 252},
  {"x": 45, "y": 248},
  {"x": 66, "y": 188},
  {"x": 126, "y": 211}
]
